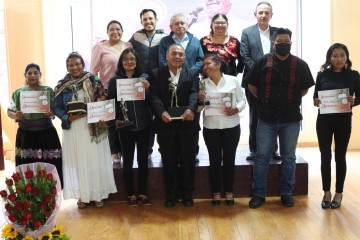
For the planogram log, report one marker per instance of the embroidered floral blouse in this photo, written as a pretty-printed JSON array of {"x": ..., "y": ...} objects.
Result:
[{"x": 229, "y": 51}]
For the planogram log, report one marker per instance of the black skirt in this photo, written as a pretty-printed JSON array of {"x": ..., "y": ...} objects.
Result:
[{"x": 39, "y": 146}]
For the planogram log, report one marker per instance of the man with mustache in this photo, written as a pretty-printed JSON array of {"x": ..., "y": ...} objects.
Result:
[
  {"x": 255, "y": 42},
  {"x": 146, "y": 43}
]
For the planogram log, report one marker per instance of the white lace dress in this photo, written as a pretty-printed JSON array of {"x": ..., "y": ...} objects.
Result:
[{"x": 87, "y": 167}]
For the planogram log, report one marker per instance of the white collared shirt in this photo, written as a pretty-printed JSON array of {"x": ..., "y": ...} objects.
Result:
[
  {"x": 265, "y": 40},
  {"x": 227, "y": 84},
  {"x": 183, "y": 42},
  {"x": 175, "y": 78}
]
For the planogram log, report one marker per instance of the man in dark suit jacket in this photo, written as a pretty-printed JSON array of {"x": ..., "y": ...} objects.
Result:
[
  {"x": 176, "y": 137},
  {"x": 256, "y": 41}
]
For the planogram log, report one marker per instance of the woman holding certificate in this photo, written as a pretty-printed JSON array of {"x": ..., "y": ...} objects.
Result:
[
  {"x": 338, "y": 82},
  {"x": 221, "y": 124},
  {"x": 88, "y": 173},
  {"x": 36, "y": 137},
  {"x": 133, "y": 120},
  {"x": 104, "y": 58}
]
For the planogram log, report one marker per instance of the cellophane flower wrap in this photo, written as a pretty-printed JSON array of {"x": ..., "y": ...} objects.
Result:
[{"x": 32, "y": 199}]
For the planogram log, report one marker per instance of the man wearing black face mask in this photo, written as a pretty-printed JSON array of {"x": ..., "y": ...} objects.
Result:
[{"x": 279, "y": 81}]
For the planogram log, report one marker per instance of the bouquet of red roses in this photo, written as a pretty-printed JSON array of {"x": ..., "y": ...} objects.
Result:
[{"x": 31, "y": 199}]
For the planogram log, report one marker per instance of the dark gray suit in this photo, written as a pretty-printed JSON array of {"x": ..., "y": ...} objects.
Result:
[{"x": 251, "y": 50}]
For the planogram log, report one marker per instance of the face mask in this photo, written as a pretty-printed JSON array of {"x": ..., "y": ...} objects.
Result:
[{"x": 282, "y": 49}]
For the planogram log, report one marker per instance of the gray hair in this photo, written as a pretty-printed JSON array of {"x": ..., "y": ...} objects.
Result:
[
  {"x": 173, "y": 45},
  {"x": 178, "y": 15},
  {"x": 263, "y": 2}
]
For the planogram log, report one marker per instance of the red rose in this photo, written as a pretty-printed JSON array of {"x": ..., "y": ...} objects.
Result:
[
  {"x": 26, "y": 204},
  {"x": 9, "y": 182},
  {"x": 3, "y": 193},
  {"x": 41, "y": 173},
  {"x": 42, "y": 205},
  {"x": 22, "y": 221},
  {"x": 8, "y": 207},
  {"x": 50, "y": 176},
  {"x": 36, "y": 224},
  {"x": 16, "y": 176},
  {"x": 12, "y": 217},
  {"x": 53, "y": 190},
  {"x": 35, "y": 191},
  {"x": 27, "y": 215},
  {"x": 47, "y": 198},
  {"x": 47, "y": 214},
  {"x": 53, "y": 205},
  {"x": 28, "y": 187},
  {"x": 19, "y": 206},
  {"x": 29, "y": 174},
  {"x": 12, "y": 197}
]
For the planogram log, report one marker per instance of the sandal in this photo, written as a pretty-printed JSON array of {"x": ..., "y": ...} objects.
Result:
[
  {"x": 99, "y": 204},
  {"x": 81, "y": 204}
]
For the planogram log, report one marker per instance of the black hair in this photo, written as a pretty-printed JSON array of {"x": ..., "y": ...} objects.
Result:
[
  {"x": 116, "y": 22},
  {"x": 32, "y": 65},
  {"x": 75, "y": 55},
  {"x": 120, "y": 67},
  {"x": 215, "y": 58},
  {"x": 282, "y": 31},
  {"x": 327, "y": 65},
  {"x": 148, "y": 10},
  {"x": 215, "y": 17}
]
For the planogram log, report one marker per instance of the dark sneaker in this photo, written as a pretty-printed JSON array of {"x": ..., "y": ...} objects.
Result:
[
  {"x": 251, "y": 156},
  {"x": 142, "y": 199},
  {"x": 287, "y": 200},
  {"x": 132, "y": 201},
  {"x": 256, "y": 202}
]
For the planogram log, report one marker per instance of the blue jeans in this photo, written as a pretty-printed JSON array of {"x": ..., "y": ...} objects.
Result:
[{"x": 266, "y": 134}]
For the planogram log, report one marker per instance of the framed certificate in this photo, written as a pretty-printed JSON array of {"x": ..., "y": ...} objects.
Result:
[
  {"x": 130, "y": 89},
  {"x": 218, "y": 102},
  {"x": 334, "y": 101},
  {"x": 35, "y": 101},
  {"x": 103, "y": 110}
]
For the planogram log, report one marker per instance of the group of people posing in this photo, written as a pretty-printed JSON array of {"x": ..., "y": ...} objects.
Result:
[{"x": 179, "y": 72}]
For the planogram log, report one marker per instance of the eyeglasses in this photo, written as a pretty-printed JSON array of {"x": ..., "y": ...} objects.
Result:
[
  {"x": 76, "y": 65},
  {"x": 220, "y": 23},
  {"x": 128, "y": 60}
]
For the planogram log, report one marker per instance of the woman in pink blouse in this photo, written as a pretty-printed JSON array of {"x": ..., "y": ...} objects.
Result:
[{"x": 104, "y": 59}]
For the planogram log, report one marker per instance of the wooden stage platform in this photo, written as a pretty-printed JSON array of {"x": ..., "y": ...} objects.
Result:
[{"x": 242, "y": 183}]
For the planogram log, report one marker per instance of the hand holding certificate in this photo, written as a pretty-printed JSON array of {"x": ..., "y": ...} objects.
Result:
[
  {"x": 219, "y": 102},
  {"x": 131, "y": 89},
  {"x": 34, "y": 101},
  {"x": 334, "y": 101},
  {"x": 101, "y": 111}
]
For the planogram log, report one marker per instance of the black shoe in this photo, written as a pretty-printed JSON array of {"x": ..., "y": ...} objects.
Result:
[
  {"x": 256, "y": 202},
  {"x": 216, "y": 199},
  {"x": 276, "y": 156},
  {"x": 229, "y": 199},
  {"x": 251, "y": 156},
  {"x": 287, "y": 200},
  {"x": 188, "y": 202},
  {"x": 170, "y": 202},
  {"x": 326, "y": 202},
  {"x": 336, "y": 204}
]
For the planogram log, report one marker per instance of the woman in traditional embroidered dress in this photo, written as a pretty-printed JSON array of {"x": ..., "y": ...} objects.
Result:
[
  {"x": 88, "y": 173},
  {"x": 104, "y": 58},
  {"x": 335, "y": 74},
  {"x": 36, "y": 137},
  {"x": 227, "y": 47},
  {"x": 137, "y": 134},
  {"x": 221, "y": 131}
]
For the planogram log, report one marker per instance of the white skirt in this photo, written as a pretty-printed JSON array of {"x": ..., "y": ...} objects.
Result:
[{"x": 87, "y": 167}]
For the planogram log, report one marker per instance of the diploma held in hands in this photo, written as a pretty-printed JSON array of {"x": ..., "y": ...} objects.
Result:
[
  {"x": 35, "y": 102},
  {"x": 130, "y": 89},
  {"x": 334, "y": 101},
  {"x": 101, "y": 111},
  {"x": 218, "y": 102}
]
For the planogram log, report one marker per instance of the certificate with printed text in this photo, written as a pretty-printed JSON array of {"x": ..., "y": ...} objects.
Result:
[
  {"x": 103, "y": 110},
  {"x": 35, "y": 102},
  {"x": 334, "y": 101},
  {"x": 130, "y": 89},
  {"x": 218, "y": 102}
]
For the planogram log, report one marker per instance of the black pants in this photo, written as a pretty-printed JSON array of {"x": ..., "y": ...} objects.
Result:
[
  {"x": 178, "y": 158},
  {"x": 339, "y": 127},
  {"x": 253, "y": 119},
  {"x": 114, "y": 141},
  {"x": 141, "y": 139},
  {"x": 221, "y": 145}
]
